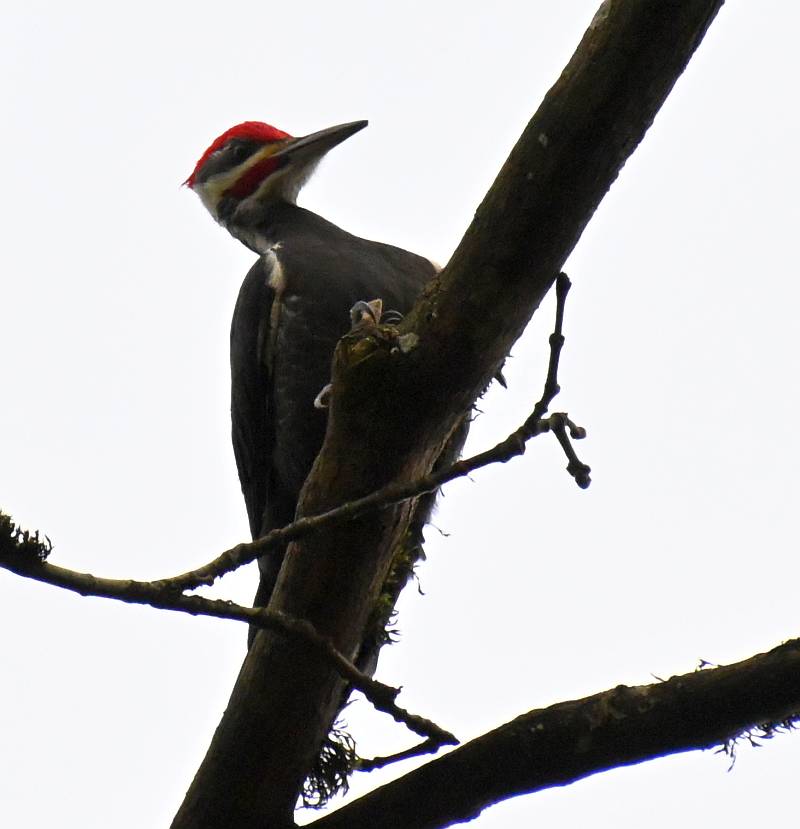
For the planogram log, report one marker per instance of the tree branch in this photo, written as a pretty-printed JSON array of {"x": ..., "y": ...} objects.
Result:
[
  {"x": 571, "y": 740},
  {"x": 242, "y": 554},
  {"x": 29, "y": 563}
]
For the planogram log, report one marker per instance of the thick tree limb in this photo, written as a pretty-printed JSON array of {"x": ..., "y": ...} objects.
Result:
[
  {"x": 571, "y": 740},
  {"x": 393, "y": 408}
]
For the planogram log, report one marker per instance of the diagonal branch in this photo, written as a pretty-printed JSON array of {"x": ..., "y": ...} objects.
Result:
[
  {"x": 571, "y": 740},
  {"x": 302, "y": 633},
  {"x": 242, "y": 554}
]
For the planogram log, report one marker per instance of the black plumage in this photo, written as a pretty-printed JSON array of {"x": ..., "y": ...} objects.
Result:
[{"x": 292, "y": 308}]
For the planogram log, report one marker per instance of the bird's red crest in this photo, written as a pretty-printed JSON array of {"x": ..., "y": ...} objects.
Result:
[{"x": 249, "y": 130}]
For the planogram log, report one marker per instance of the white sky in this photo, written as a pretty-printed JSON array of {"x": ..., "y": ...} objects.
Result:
[{"x": 117, "y": 291}]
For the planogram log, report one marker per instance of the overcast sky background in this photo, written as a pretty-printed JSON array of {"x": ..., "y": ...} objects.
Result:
[{"x": 117, "y": 291}]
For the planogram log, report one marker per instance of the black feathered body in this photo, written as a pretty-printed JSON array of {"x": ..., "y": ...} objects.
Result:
[{"x": 292, "y": 308}]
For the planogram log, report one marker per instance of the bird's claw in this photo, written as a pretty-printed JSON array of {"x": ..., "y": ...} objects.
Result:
[
  {"x": 392, "y": 317},
  {"x": 321, "y": 401}
]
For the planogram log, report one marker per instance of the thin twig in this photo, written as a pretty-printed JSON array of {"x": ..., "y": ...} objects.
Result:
[
  {"x": 375, "y": 763},
  {"x": 559, "y": 424},
  {"x": 551, "y": 387},
  {"x": 381, "y": 696}
]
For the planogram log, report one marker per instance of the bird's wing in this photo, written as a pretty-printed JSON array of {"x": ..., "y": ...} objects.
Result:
[{"x": 252, "y": 430}]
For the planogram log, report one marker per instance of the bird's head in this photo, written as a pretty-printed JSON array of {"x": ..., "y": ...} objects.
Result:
[{"x": 253, "y": 165}]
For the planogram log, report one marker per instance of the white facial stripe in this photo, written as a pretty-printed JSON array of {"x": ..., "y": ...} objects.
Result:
[{"x": 212, "y": 190}]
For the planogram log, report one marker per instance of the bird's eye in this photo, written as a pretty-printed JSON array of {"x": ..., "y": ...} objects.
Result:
[{"x": 238, "y": 151}]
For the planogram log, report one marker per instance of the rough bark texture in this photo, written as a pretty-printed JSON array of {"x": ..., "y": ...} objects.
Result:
[
  {"x": 393, "y": 407},
  {"x": 565, "y": 742}
]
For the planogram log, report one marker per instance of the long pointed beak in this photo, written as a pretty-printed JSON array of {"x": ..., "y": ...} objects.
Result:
[{"x": 318, "y": 143}]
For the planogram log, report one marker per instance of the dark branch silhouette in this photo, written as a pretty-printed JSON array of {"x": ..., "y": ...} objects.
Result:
[{"x": 571, "y": 740}]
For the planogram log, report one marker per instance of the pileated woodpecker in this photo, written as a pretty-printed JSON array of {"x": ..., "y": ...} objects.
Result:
[{"x": 292, "y": 308}]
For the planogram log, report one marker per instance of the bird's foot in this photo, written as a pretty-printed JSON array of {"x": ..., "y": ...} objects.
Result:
[
  {"x": 366, "y": 312},
  {"x": 372, "y": 313}
]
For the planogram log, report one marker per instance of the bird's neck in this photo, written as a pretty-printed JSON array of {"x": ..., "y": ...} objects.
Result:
[{"x": 255, "y": 227}]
